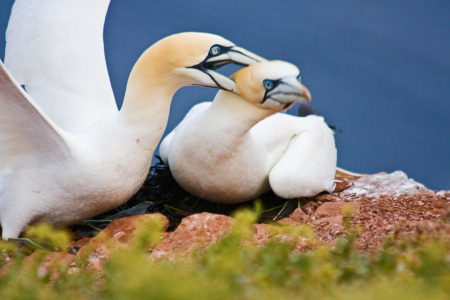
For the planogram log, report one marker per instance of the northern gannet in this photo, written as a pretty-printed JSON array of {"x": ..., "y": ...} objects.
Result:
[
  {"x": 62, "y": 166},
  {"x": 240, "y": 146}
]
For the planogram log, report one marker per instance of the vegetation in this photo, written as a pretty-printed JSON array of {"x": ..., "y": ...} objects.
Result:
[{"x": 235, "y": 268}]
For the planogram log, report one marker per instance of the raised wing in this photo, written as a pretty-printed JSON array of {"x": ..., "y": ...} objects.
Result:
[
  {"x": 54, "y": 48},
  {"x": 27, "y": 136}
]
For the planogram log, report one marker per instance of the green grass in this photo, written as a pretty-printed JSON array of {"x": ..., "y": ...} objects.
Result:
[{"x": 234, "y": 268}]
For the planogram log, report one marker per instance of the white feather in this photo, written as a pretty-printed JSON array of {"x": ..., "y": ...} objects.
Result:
[
  {"x": 66, "y": 152},
  {"x": 27, "y": 135},
  {"x": 55, "y": 49},
  {"x": 233, "y": 149}
]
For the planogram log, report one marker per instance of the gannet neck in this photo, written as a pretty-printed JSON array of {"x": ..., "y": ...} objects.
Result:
[
  {"x": 234, "y": 113},
  {"x": 150, "y": 89},
  {"x": 238, "y": 147}
]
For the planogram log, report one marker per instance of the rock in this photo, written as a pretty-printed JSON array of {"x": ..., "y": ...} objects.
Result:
[
  {"x": 299, "y": 216},
  {"x": 263, "y": 233},
  {"x": 288, "y": 222},
  {"x": 197, "y": 231},
  {"x": 49, "y": 264},
  {"x": 433, "y": 229},
  {"x": 375, "y": 186},
  {"x": 383, "y": 204},
  {"x": 333, "y": 221},
  {"x": 121, "y": 230},
  {"x": 332, "y": 209},
  {"x": 115, "y": 236},
  {"x": 328, "y": 228}
]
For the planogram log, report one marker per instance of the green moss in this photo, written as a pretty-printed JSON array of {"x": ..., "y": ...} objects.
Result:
[{"x": 235, "y": 268}]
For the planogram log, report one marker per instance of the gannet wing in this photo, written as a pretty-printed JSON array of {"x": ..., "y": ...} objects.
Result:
[
  {"x": 27, "y": 136},
  {"x": 54, "y": 48},
  {"x": 192, "y": 114},
  {"x": 308, "y": 165}
]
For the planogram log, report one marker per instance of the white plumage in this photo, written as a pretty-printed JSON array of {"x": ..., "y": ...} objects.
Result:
[
  {"x": 55, "y": 49},
  {"x": 238, "y": 147},
  {"x": 66, "y": 152}
]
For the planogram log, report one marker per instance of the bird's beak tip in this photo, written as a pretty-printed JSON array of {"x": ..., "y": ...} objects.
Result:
[{"x": 306, "y": 93}]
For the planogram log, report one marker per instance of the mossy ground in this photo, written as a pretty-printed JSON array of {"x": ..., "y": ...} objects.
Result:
[
  {"x": 234, "y": 268},
  {"x": 416, "y": 267}
]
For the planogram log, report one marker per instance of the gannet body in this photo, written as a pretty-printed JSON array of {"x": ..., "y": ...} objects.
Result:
[
  {"x": 239, "y": 146},
  {"x": 62, "y": 166}
]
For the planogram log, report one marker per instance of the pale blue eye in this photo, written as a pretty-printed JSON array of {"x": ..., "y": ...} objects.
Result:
[
  {"x": 299, "y": 78},
  {"x": 268, "y": 84},
  {"x": 215, "y": 50}
]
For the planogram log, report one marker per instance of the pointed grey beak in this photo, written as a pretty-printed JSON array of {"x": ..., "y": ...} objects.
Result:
[
  {"x": 288, "y": 91},
  {"x": 244, "y": 57}
]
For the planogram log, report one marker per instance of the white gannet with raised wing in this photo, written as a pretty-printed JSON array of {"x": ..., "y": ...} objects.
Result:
[
  {"x": 55, "y": 169},
  {"x": 238, "y": 146}
]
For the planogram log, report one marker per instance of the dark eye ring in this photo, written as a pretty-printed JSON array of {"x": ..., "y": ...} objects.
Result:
[
  {"x": 299, "y": 77},
  {"x": 268, "y": 84},
  {"x": 215, "y": 50}
]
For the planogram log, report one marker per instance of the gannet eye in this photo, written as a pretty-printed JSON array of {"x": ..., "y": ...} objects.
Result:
[
  {"x": 299, "y": 78},
  {"x": 215, "y": 50},
  {"x": 268, "y": 84}
]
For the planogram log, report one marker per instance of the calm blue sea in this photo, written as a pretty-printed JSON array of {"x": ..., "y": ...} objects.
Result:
[{"x": 378, "y": 70}]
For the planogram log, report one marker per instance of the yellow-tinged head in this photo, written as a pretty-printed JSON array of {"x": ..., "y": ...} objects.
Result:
[
  {"x": 192, "y": 58},
  {"x": 271, "y": 84}
]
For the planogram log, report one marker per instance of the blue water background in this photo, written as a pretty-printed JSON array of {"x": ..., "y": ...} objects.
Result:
[{"x": 378, "y": 70}]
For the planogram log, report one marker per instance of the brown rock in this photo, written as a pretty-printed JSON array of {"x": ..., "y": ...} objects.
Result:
[
  {"x": 333, "y": 221},
  {"x": 121, "y": 230},
  {"x": 433, "y": 229},
  {"x": 385, "y": 204},
  {"x": 331, "y": 209},
  {"x": 287, "y": 222},
  {"x": 115, "y": 236},
  {"x": 95, "y": 253},
  {"x": 197, "y": 231},
  {"x": 444, "y": 195},
  {"x": 49, "y": 264},
  {"x": 328, "y": 228},
  {"x": 299, "y": 216},
  {"x": 263, "y": 233}
]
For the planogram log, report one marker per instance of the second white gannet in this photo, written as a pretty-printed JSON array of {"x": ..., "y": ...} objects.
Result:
[
  {"x": 64, "y": 174},
  {"x": 239, "y": 146}
]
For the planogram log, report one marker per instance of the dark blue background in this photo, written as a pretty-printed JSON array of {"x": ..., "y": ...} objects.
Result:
[{"x": 379, "y": 70}]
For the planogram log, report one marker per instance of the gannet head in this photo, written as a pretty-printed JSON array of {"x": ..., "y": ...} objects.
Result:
[
  {"x": 193, "y": 57},
  {"x": 272, "y": 85}
]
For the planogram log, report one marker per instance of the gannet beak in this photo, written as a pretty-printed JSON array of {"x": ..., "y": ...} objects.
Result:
[
  {"x": 286, "y": 92},
  {"x": 232, "y": 54},
  {"x": 306, "y": 95},
  {"x": 244, "y": 57}
]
